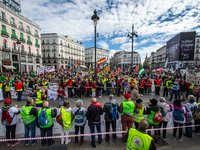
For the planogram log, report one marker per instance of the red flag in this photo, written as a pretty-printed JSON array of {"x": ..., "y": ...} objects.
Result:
[
  {"x": 77, "y": 62},
  {"x": 118, "y": 69}
]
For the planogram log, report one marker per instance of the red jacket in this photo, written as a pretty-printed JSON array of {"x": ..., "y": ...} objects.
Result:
[
  {"x": 148, "y": 84},
  {"x": 19, "y": 86},
  {"x": 119, "y": 83},
  {"x": 61, "y": 92},
  {"x": 93, "y": 85},
  {"x": 69, "y": 83},
  {"x": 157, "y": 82},
  {"x": 142, "y": 83},
  {"x": 63, "y": 85}
]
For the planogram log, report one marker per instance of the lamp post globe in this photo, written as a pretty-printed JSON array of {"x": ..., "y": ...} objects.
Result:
[{"x": 95, "y": 18}]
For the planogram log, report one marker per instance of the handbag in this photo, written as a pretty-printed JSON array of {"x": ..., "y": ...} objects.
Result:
[
  {"x": 59, "y": 119},
  {"x": 75, "y": 114},
  {"x": 90, "y": 122}
]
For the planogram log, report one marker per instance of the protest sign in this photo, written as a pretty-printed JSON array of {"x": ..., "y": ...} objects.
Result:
[
  {"x": 193, "y": 76},
  {"x": 51, "y": 95},
  {"x": 53, "y": 86}
]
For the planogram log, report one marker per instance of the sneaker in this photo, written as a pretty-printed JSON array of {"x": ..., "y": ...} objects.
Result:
[
  {"x": 173, "y": 138},
  {"x": 108, "y": 141},
  {"x": 141, "y": 95},
  {"x": 196, "y": 133},
  {"x": 100, "y": 141},
  {"x": 16, "y": 143},
  {"x": 69, "y": 140},
  {"x": 93, "y": 145},
  {"x": 82, "y": 143},
  {"x": 27, "y": 143},
  {"x": 114, "y": 140},
  {"x": 180, "y": 139},
  {"x": 8, "y": 144},
  {"x": 165, "y": 138},
  {"x": 34, "y": 142}
]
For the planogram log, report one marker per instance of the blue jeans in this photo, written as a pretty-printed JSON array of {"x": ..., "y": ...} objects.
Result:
[
  {"x": 30, "y": 127},
  {"x": 60, "y": 100},
  {"x": 188, "y": 129},
  {"x": 98, "y": 126},
  {"x": 108, "y": 91},
  {"x": 176, "y": 94},
  {"x": 49, "y": 133},
  {"x": 148, "y": 90},
  {"x": 19, "y": 93}
]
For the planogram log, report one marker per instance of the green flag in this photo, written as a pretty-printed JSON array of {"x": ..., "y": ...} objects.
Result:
[{"x": 141, "y": 71}]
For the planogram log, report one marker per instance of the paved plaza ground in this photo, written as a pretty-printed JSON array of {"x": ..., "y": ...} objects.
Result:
[{"x": 187, "y": 143}]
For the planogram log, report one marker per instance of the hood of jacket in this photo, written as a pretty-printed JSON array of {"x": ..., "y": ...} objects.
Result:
[
  {"x": 177, "y": 107},
  {"x": 112, "y": 101},
  {"x": 5, "y": 108},
  {"x": 154, "y": 108},
  {"x": 162, "y": 104},
  {"x": 96, "y": 104}
]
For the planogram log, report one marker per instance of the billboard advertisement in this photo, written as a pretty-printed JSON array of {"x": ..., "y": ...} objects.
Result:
[
  {"x": 173, "y": 49},
  {"x": 187, "y": 45}
]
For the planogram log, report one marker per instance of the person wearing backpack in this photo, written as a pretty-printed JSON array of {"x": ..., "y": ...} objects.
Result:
[
  {"x": 179, "y": 116},
  {"x": 151, "y": 110},
  {"x": 44, "y": 121},
  {"x": 28, "y": 115},
  {"x": 10, "y": 120},
  {"x": 139, "y": 112},
  {"x": 164, "y": 110},
  {"x": 111, "y": 115},
  {"x": 190, "y": 106}
]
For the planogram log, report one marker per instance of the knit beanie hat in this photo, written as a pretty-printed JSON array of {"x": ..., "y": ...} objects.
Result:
[
  {"x": 127, "y": 96},
  {"x": 154, "y": 101}
]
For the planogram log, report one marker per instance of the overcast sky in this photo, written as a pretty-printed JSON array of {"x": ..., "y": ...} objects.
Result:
[{"x": 156, "y": 21}]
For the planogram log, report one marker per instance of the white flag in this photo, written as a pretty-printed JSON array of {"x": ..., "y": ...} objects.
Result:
[
  {"x": 166, "y": 62},
  {"x": 52, "y": 95}
]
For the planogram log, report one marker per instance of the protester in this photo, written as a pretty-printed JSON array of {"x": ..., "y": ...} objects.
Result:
[
  {"x": 148, "y": 86},
  {"x": 139, "y": 112},
  {"x": 7, "y": 90},
  {"x": 19, "y": 89},
  {"x": 46, "y": 123},
  {"x": 79, "y": 121},
  {"x": 190, "y": 106},
  {"x": 66, "y": 113},
  {"x": 138, "y": 138},
  {"x": 175, "y": 89},
  {"x": 111, "y": 115},
  {"x": 152, "y": 109},
  {"x": 38, "y": 100},
  {"x": 179, "y": 116},
  {"x": 93, "y": 115},
  {"x": 157, "y": 83},
  {"x": 10, "y": 120},
  {"x": 164, "y": 109},
  {"x": 134, "y": 94},
  {"x": 61, "y": 95},
  {"x": 28, "y": 115},
  {"x": 196, "y": 90},
  {"x": 119, "y": 85},
  {"x": 132, "y": 84},
  {"x": 184, "y": 90},
  {"x": 126, "y": 108}
]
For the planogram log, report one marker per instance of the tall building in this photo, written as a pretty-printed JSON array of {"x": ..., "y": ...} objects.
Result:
[
  {"x": 61, "y": 51},
  {"x": 197, "y": 51},
  {"x": 27, "y": 51},
  {"x": 124, "y": 60},
  {"x": 90, "y": 55},
  {"x": 160, "y": 57},
  {"x": 13, "y": 4}
]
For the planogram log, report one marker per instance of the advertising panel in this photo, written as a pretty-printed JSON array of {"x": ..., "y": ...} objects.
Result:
[{"x": 187, "y": 44}]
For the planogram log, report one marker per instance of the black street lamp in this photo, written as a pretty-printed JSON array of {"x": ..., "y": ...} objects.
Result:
[
  {"x": 131, "y": 35},
  {"x": 18, "y": 45},
  {"x": 95, "y": 18}
]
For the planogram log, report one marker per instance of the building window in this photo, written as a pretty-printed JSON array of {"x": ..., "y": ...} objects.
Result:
[
  {"x": 22, "y": 37},
  {"x": 29, "y": 50},
  {"x": 4, "y": 43},
  {"x": 36, "y": 33},
  {"x": 28, "y": 29},
  {"x": 5, "y": 56},
  {"x": 3, "y": 30},
  {"x": 20, "y": 25},
  {"x": 12, "y": 21},
  {"x": 30, "y": 68},
  {"x": 23, "y": 68},
  {"x": 14, "y": 57},
  {"x": 14, "y": 46},
  {"x": 23, "y": 59},
  {"x": 30, "y": 60},
  {"x": 37, "y": 51},
  {"x": 29, "y": 40},
  {"x": 36, "y": 42},
  {"x": 22, "y": 48},
  {"x": 3, "y": 16},
  {"x": 13, "y": 35}
]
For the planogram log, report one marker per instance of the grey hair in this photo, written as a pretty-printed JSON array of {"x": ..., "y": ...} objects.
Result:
[
  {"x": 162, "y": 99},
  {"x": 93, "y": 99},
  {"x": 136, "y": 87},
  {"x": 192, "y": 98},
  {"x": 79, "y": 103},
  {"x": 111, "y": 96}
]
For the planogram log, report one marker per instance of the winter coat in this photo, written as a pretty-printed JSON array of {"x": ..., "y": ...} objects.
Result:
[
  {"x": 92, "y": 111},
  {"x": 151, "y": 108},
  {"x": 185, "y": 115},
  {"x": 184, "y": 88},
  {"x": 166, "y": 109},
  {"x": 134, "y": 95},
  {"x": 107, "y": 107}
]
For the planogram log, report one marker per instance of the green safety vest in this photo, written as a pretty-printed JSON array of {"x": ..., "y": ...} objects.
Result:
[
  {"x": 1, "y": 86},
  {"x": 197, "y": 108},
  {"x": 26, "y": 118},
  {"x": 168, "y": 84},
  {"x": 48, "y": 115},
  {"x": 66, "y": 118},
  {"x": 191, "y": 86},
  {"x": 128, "y": 108},
  {"x": 150, "y": 118},
  {"x": 138, "y": 140},
  {"x": 138, "y": 115},
  {"x": 38, "y": 99},
  {"x": 7, "y": 88}
]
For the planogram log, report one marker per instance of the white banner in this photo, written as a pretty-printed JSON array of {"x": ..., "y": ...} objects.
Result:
[
  {"x": 25, "y": 94},
  {"x": 51, "y": 95},
  {"x": 166, "y": 62},
  {"x": 54, "y": 86},
  {"x": 57, "y": 127},
  {"x": 1, "y": 95},
  {"x": 193, "y": 76}
]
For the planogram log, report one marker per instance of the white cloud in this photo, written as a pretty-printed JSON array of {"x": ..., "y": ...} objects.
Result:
[
  {"x": 103, "y": 45},
  {"x": 118, "y": 40}
]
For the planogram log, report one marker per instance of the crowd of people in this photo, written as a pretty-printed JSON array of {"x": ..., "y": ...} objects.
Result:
[{"x": 132, "y": 109}]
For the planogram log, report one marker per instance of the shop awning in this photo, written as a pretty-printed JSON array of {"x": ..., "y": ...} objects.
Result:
[
  {"x": 9, "y": 67},
  {"x": 83, "y": 66}
]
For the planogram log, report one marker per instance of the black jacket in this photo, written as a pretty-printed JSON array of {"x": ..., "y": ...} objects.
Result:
[
  {"x": 94, "y": 112},
  {"x": 153, "y": 108},
  {"x": 106, "y": 108},
  {"x": 184, "y": 88}
]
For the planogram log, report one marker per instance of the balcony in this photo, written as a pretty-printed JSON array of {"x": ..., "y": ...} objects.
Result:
[
  {"x": 43, "y": 50},
  {"x": 37, "y": 45},
  {"x": 54, "y": 43},
  {"x": 6, "y": 49},
  {"x": 29, "y": 42},
  {"x": 23, "y": 52},
  {"x": 37, "y": 35},
  {"x": 13, "y": 37},
  {"x": 21, "y": 39},
  {"x": 38, "y": 55},
  {"x": 13, "y": 24},
  {"x": 28, "y": 31},
  {"x": 21, "y": 28},
  {"x": 4, "y": 19},
  {"x": 53, "y": 49},
  {"x": 48, "y": 50},
  {"x": 30, "y": 54},
  {"x": 47, "y": 43},
  {"x": 4, "y": 33},
  {"x": 15, "y": 50},
  {"x": 37, "y": 61}
]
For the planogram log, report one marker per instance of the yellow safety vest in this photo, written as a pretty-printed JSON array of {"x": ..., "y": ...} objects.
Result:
[
  {"x": 1, "y": 86},
  {"x": 38, "y": 99},
  {"x": 128, "y": 108},
  {"x": 138, "y": 140},
  {"x": 66, "y": 118},
  {"x": 45, "y": 85},
  {"x": 7, "y": 88},
  {"x": 138, "y": 115}
]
